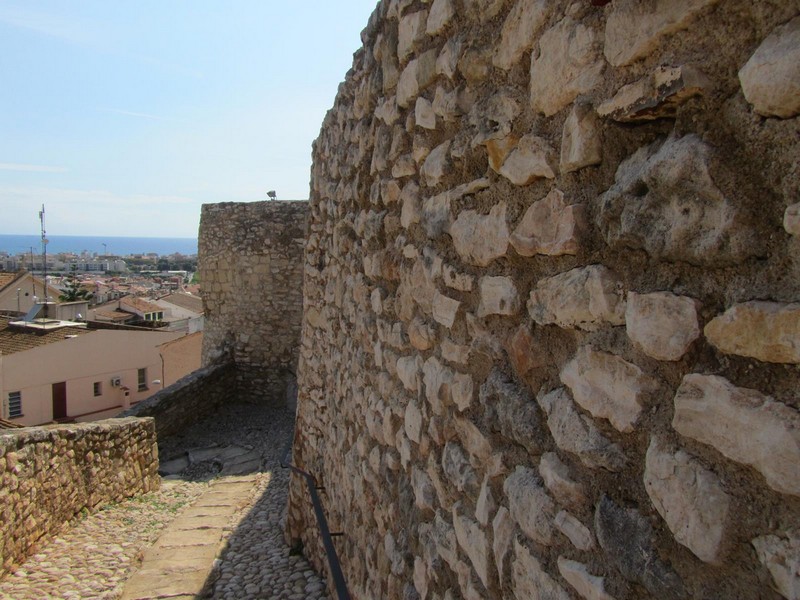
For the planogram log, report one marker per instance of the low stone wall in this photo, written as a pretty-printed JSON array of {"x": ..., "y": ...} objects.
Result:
[
  {"x": 552, "y": 303},
  {"x": 251, "y": 266},
  {"x": 50, "y": 474},
  {"x": 188, "y": 399}
]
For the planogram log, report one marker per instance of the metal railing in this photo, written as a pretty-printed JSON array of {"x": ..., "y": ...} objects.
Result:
[{"x": 322, "y": 522}]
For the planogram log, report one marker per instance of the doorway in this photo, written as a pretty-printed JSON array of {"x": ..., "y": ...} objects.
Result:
[{"x": 60, "y": 400}]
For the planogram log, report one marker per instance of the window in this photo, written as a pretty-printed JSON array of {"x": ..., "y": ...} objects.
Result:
[
  {"x": 98, "y": 388},
  {"x": 14, "y": 404},
  {"x": 142, "y": 376}
]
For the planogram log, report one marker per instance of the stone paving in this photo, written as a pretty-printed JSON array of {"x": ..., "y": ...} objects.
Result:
[{"x": 233, "y": 525}]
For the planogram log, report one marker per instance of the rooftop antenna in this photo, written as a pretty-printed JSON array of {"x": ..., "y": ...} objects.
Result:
[
  {"x": 272, "y": 195},
  {"x": 33, "y": 279},
  {"x": 44, "y": 253}
]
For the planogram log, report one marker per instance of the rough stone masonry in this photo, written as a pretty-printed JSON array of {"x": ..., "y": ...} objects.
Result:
[
  {"x": 251, "y": 268},
  {"x": 49, "y": 474},
  {"x": 551, "y": 339}
]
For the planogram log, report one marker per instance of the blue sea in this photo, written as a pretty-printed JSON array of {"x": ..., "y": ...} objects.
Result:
[{"x": 119, "y": 246}]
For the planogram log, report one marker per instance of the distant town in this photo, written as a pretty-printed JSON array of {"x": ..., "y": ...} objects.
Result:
[{"x": 108, "y": 277}]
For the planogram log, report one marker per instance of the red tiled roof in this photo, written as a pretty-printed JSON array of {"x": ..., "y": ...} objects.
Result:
[
  {"x": 7, "y": 278},
  {"x": 17, "y": 339},
  {"x": 141, "y": 305},
  {"x": 114, "y": 315},
  {"x": 187, "y": 301}
]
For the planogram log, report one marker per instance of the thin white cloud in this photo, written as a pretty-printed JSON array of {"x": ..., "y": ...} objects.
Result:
[
  {"x": 130, "y": 113},
  {"x": 47, "y": 24},
  {"x": 82, "y": 198},
  {"x": 31, "y": 168}
]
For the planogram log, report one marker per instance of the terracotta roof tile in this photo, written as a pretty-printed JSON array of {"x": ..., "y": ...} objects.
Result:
[
  {"x": 187, "y": 301},
  {"x": 15, "y": 339},
  {"x": 141, "y": 305}
]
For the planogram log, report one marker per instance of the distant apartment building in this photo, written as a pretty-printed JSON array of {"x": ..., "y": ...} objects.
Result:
[{"x": 67, "y": 372}]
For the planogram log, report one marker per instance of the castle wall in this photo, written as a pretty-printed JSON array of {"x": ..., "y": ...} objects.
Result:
[
  {"x": 251, "y": 269},
  {"x": 189, "y": 399},
  {"x": 50, "y": 474},
  {"x": 552, "y": 303}
]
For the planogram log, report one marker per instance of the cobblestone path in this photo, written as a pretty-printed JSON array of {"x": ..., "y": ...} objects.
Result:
[{"x": 97, "y": 554}]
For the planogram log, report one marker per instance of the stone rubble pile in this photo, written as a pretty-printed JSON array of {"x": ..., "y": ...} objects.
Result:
[{"x": 551, "y": 335}]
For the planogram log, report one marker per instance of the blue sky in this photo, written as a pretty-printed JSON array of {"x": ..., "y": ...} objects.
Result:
[{"x": 124, "y": 117}]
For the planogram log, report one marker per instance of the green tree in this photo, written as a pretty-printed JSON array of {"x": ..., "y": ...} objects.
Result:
[{"x": 73, "y": 290}]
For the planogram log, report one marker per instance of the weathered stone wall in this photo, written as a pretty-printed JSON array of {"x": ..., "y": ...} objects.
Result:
[
  {"x": 189, "y": 399},
  {"x": 552, "y": 303},
  {"x": 50, "y": 474},
  {"x": 251, "y": 269}
]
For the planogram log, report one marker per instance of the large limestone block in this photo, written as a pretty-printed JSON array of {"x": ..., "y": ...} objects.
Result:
[
  {"x": 767, "y": 331},
  {"x": 498, "y": 296},
  {"x": 556, "y": 477},
  {"x": 780, "y": 554},
  {"x": 457, "y": 468},
  {"x": 473, "y": 440},
  {"x": 550, "y": 226},
  {"x": 447, "y": 60},
  {"x": 424, "y": 493},
  {"x": 583, "y": 298},
  {"x": 436, "y": 213},
  {"x": 408, "y": 368},
  {"x": 665, "y": 202},
  {"x": 627, "y": 538},
  {"x": 502, "y": 534},
  {"x": 791, "y": 219},
  {"x": 479, "y": 239},
  {"x": 411, "y": 31},
  {"x": 530, "y": 505},
  {"x": 634, "y": 28},
  {"x": 424, "y": 116},
  {"x": 407, "y": 85},
  {"x": 531, "y": 159},
  {"x": 436, "y": 164},
  {"x": 473, "y": 542},
  {"x": 744, "y": 425},
  {"x": 689, "y": 497},
  {"x": 512, "y": 411},
  {"x": 655, "y": 96},
  {"x": 570, "y": 63},
  {"x": 418, "y": 74},
  {"x": 661, "y": 324},
  {"x": 771, "y": 78},
  {"x": 444, "y": 386},
  {"x": 581, "y": 145},
  {"x": 608, "y": 386},
  {"x": 413, "y": 422},
  {"x": 590, "y": 587},
  {"x": 530, "y": 580},
  {"x": 445, "y": 309},
  {"x": 444, "y": 537},
  {"x": 519, "y": 31},
  {"x": 410, "y": 212},
  {"x": 522, "y": 353},
  {"x": 577, "y": 434},
  {"x": 442, "y": 12},
  {"x": 421, "y": 334},
  {"x": 493, "y": 119},
  {"x": 574, "y": 530}
]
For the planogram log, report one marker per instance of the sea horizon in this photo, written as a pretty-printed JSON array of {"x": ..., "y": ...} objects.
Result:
[{"x": 14, "y": 244}]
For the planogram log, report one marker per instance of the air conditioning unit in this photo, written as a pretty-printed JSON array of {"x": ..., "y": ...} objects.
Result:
[{"x": 116, "y": 381}]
